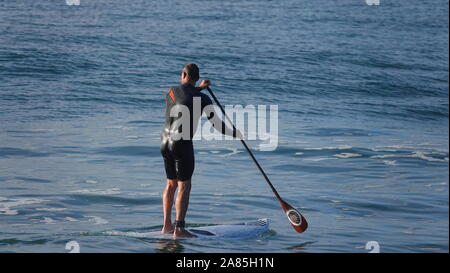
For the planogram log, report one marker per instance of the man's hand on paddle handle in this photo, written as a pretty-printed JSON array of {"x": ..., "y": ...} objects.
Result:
[{"x": 204, "y": 84}]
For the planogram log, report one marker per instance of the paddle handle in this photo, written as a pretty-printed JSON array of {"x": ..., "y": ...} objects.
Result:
[{"x": 246, "y": 147}]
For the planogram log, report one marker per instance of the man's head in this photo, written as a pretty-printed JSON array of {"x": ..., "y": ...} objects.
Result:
[{"x": 190, "y": 73}]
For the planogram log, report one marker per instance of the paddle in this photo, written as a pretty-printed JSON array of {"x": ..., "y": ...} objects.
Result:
[{"x": 297, "y": 220}]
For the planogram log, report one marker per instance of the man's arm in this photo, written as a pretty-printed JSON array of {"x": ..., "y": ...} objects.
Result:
[
  {"x": 220, "y": 125},
  {"x": 213, "y": 117}
]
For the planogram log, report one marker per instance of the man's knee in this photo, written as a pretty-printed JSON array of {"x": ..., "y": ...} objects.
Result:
[
  {"x": 172, "y": 184},
  {"x": 184, "y": 185}
]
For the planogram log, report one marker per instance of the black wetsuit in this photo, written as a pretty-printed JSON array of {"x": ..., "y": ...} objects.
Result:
[{"x": 178, "y": 153}]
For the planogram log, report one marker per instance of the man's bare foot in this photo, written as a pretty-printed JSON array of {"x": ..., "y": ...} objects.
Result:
[
  {"x": 167, "y": 229},
  {"x": 182, "y": 233}
]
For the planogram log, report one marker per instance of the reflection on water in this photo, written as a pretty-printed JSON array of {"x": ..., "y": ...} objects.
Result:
[{"x": 169, "y": 246}]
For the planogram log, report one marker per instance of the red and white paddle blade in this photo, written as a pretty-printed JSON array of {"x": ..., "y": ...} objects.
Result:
[{"x": 296, "y": 219}]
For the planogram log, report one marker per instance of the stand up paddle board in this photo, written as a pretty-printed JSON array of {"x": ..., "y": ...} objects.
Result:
[{"x": 231, "y": 231}]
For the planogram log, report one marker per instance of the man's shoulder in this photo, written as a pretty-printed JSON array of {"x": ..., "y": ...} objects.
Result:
[{"x": 174, "y": 87}]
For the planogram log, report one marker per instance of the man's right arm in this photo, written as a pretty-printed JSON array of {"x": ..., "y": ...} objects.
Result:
[{"x": 218, "y": 123}]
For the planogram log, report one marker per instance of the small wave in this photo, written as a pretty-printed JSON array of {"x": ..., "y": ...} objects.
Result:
[
  {"x": 339, "y": 147},
  {"x": 110, "y": 191},
  {"x": 142, "y": 122},
  {"x": 14, "y": 241},
  {"x": 48, "y": 220},
  {"x": 31, "y": 179},
  {"x": 120, "y": 127},
  {"x": 423, "y": 156},
  {"x": 31, "y": 131},
  {"x": 233, "y": 152},
  {"x": 436, "y": 184},
  {"x": 50, "y": 209},
  {"x": 383, "y": 156},
  {"x": 111, "y": 200},
  {"x": 320, "y": 159},
  {"x": 133, "y": 137},
  {"x": 136, "y": 234},
  {"x": 347, "y": 155},
  {"x": 390, "y": 162},
  {"x": 130, "y": 151},
  {"x": 6, "y": 204},
  {"x": 97, "y": 220},
  {"x": 7, "y": 151}
]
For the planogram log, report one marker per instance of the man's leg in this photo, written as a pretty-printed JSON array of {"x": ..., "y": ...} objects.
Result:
[
  {"x": 181, "y": 206},
  {"x": 168, "y": 195}
]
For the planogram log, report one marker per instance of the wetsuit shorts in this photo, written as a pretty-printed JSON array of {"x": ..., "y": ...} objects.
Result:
[{"x": 179, "y": 159}]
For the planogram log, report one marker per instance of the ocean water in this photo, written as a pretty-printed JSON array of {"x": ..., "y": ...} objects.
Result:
[{"x": 362, "y": 93}]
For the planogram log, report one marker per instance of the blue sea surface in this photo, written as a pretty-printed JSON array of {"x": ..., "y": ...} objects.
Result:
[{"x": 362, "y": 93}]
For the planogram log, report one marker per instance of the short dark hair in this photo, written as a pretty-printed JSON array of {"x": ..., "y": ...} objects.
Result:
[{"x": 192, "y": 71}]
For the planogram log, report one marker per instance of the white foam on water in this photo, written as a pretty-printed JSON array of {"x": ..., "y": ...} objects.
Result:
[
  {"x": 421, "y": 155},
  {"x": 319, "y": 159},
  {"x": 70, "y": 219},
  {"x": 6, "y": 204},
  {"x": 132, "y": 137},
  {"x": 141, "y": 193},
  {"x": 392, "y": 146},
  {"x": 384, "y": 156},
  {"x": 120, "y": 127},
  {"x": 90, "y": 182},
  {"x": 8, "y": 211},
  {"x": 233, "y": 152},
  {"x": 20, "y": 225},
  {"x": 202, "y": 153},
  {"x": 38, "y": 130},
  {"x": 374, "y": 186},
  {"x": 383, "y": 150},
  {"x": 347, "y": 155},
  {"x": 133, "y": 234},
  {"x": 424, "y": 156},
  {"x": 299, "y": 153},
  {"x": 339, "y": 147},
  {"x": 50, "y": 209},
  {"x": 436, "y": 184},
  {"x": 110, "y": 191},
  {"x": 48, "y": 220},
  {"x": 97, "y": 220},
  {"x": 215, "y": 152},
  {"x": 390, "y": 162}
]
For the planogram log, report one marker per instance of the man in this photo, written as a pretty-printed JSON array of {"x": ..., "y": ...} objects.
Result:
[{"x": 176, "y": 144}]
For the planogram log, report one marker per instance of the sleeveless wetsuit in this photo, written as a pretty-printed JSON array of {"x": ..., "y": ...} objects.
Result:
[{"x": 178, "y": 153}]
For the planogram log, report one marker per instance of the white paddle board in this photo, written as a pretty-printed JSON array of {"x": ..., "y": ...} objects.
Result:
[{"x": 230, "y": 231}]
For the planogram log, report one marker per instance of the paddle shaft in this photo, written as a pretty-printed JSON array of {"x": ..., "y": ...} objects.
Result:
[{"x": 247, "y": 148}]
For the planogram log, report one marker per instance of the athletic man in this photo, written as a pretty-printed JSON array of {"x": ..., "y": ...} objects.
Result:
[{"x": 176, "y": 144}]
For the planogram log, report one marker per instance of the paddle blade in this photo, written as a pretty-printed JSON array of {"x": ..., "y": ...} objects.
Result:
[{"x": 296, "y": 219}]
